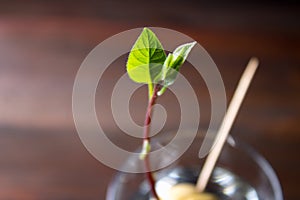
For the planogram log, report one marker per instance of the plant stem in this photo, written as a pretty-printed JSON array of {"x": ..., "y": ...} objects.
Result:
[{"x": 146, "y": 138}]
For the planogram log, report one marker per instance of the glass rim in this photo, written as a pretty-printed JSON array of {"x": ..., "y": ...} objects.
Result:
[
  {"x": 235, "y": 142},
  {"x": 263, "y": 163}
]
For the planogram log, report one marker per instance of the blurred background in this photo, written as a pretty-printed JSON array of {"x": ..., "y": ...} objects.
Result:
[{"x": 43, "y": 42}]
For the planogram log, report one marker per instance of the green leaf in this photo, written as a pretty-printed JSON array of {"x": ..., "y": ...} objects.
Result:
[
  {"x": 174, "y": 62},
  {"x": 146, "y": 58}
]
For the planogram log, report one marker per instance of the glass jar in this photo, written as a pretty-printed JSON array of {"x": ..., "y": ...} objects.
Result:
[{"x": 240, "y": 173}]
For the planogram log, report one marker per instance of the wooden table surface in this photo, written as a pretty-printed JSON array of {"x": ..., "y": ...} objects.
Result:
[{"x": 42, "y": 44}]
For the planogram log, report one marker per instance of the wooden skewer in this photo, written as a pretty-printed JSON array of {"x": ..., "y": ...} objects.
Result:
[{"x": 227, "y": 124}]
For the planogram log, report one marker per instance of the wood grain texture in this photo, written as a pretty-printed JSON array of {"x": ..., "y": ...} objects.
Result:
[{"x": 42, "y": 44}]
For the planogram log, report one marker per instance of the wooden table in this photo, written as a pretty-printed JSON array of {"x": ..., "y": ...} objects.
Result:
[{"x": 42, "y": 45}]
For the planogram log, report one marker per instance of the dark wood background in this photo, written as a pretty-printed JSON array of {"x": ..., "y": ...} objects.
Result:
[{"x": 42, "y": 44}]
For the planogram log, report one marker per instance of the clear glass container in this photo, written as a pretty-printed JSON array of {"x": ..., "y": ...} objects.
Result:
[{"x": 240, "y": 173}]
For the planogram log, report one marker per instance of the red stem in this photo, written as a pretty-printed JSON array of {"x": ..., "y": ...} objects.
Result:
[{"x": 147, "y": 122}]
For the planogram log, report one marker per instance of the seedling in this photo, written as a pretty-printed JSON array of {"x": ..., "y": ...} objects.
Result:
[{"x": 148, "y": 64}]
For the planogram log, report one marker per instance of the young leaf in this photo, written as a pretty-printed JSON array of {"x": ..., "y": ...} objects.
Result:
[
  {"x": 173, "y": 63},
  {"x": 146, "y": 58}
]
